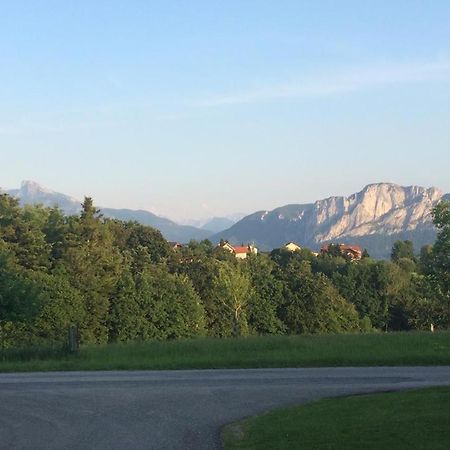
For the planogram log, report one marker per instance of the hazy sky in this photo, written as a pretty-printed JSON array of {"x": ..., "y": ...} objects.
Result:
[{"x": 201, "y": 108}]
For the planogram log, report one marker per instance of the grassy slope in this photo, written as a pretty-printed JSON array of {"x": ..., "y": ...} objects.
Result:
[
  {"x": 274, "y": 351},
  {"x": 402, "y": 420}
]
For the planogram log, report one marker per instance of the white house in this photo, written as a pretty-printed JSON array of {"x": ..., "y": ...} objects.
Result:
[
  {"x": 292, "y": 247},
  {"x": 241, "y": 252}
]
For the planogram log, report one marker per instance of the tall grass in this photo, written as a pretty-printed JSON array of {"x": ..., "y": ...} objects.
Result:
[
  {"x": 24, "y": 354},
  {"x": 263, "y": 351}
]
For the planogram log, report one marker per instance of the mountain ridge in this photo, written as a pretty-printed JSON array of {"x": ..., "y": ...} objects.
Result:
[
  {"x": 374, "y": 217},
  {"x": 31, "y": 192}
]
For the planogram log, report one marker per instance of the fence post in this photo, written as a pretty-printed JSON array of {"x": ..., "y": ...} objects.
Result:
[
  {"x": 2, "y": 336},
  {"x": 73, "y": 339}
]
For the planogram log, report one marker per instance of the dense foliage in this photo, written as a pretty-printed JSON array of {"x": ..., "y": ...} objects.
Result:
[{"x": 121, "y": 281}]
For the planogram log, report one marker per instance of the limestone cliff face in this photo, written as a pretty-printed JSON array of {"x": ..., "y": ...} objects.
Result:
[
  {"x": 384, "y": 207},
  {"x": 374, "y": 217},
  {"x": 31, "y": 192}
]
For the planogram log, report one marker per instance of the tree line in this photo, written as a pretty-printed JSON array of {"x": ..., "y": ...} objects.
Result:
[{"x": 121, "y": 281}]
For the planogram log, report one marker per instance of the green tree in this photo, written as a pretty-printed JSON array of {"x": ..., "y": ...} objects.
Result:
[
  {"x": 440, "y": 265},
  {"x": 125, "y": 313},
  {"x": 148, "y": 241},
  {"x": 371, "y": 286},
  {"x": 56, "y": 234},
  {"x": 313, "y": 305},
  {"x": 417, "y": 306},
  {"x": 282, "y": 257},
  {"x": 93, "y": 265},
  {"x": 62, "y": 305},
  {"x": 402, "y": 249},
  {"x": 426, "y": 259},
  {"x": 200, "y": 263},
  {"x": 330, "y": 265},
  {"x": 9, "y": 217},
  {"x": 267, "y": 297},
  {"x": 21, "y": 230},
  {"x": 20, "y": 299},
  {"x": 169, "y": 306},
  {"x": 33, "y": 251},
  {"x": 233, "y": 290},
  {"x": 90, "y": 218},
  {"x": 335, "y": 250}
]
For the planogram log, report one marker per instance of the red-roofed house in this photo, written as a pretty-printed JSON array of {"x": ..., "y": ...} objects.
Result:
[
  {"x": 354, "y": 252},
  {"x": 241, "y": 251}
]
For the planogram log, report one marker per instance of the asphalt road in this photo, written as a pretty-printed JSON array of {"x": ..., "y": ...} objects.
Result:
[{"x": 170, "y": 409}]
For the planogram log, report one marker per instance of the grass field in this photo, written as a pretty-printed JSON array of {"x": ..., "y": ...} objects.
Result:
[
  {"x": 268, "y": 351},
  {"x": 403, "y": 420}
]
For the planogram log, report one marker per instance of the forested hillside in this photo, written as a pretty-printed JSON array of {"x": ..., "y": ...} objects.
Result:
[
  {"x": 31, "y": 193},
  {"x": 121, "y": 281}
]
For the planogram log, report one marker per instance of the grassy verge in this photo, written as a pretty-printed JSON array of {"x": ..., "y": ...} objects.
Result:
[
  {"x": 268, "y": 351},
  {"x": 402, "y": 420}
]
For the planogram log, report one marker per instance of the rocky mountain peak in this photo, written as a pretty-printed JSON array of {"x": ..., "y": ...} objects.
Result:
[
  {"x": 30, "y": 187},
  {"x": 31, "y": 193},
  {"x": 374, "y": 217},
  {"x": 397, "y": 192}
]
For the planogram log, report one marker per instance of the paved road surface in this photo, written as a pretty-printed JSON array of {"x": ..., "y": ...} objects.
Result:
[{"x": 170, "y": 409}]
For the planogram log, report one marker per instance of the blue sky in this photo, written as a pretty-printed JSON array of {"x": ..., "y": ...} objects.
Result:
[{"x": 201, "y": 108}]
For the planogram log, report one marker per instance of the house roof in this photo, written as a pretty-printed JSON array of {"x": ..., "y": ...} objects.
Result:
[
  {"x": 241, "y": 249},
  {"x": 344, "y": 247},
  {"x": 352, "y": 248}
]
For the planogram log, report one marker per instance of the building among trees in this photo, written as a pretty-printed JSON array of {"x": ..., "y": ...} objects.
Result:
[
  {"x": 352, "y": 252},
  {"x": 240, "y": 251},
  {"x": 292, "y": 247}
]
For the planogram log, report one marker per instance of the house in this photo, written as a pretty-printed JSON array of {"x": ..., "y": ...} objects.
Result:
[
  {"x": 292, "y": 247},
  {"x": 227, "y": 246},
  {"x": 175, "y": 245},
  {"x": 353, "y": 252},
  {"x": 240, "y": 252}
]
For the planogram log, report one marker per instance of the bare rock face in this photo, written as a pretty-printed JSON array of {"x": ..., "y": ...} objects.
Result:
[
  {"x": 374, "y": 218},
  {"x": 383, "y": 207},
  {"x": 31, "y": 192}
]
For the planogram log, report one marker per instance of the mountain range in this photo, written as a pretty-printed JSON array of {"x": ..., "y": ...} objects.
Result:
[
  {"x": 214, "y": 224},
  {"x": 31, "y": 192},
  {"x": 373, "y": 218}
]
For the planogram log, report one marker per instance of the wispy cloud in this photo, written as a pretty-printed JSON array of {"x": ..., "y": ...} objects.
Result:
[{"x": 338, "y": 82}]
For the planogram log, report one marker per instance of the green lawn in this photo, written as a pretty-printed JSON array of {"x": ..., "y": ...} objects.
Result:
[
  {"x": 403, "y": 420},
  {"x": 269, "y": 351}
]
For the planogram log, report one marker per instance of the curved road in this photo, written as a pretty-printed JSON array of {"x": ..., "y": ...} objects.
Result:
[{"x": 171, "y": 409}]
